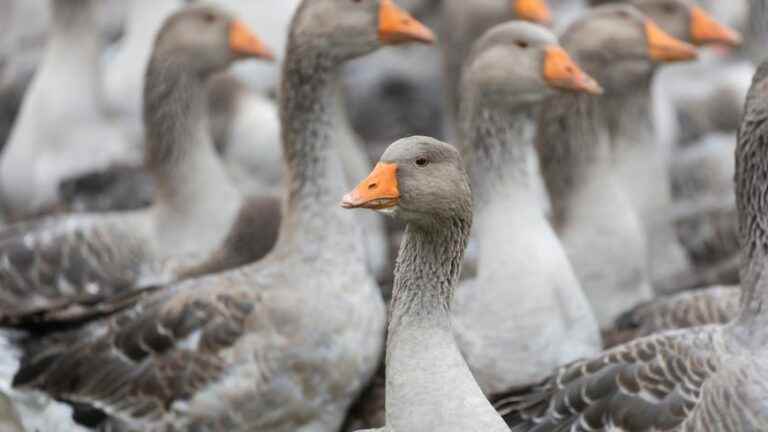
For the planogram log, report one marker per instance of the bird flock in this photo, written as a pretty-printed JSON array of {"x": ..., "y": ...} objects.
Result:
[{"x": 384, "y": 215}]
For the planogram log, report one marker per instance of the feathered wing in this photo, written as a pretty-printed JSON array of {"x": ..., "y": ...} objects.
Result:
[
  {"x": 56, "y": 259},
  {"x": 650, "y": 384},
  {"x": 711, "y": 306},
  {"x": 163, "y": 348}
]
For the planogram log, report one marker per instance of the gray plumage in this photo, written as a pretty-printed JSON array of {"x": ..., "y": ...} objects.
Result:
[
  {"x": 711, "y": 378},
  {"x": 198, "y": 219},
  {"x": 285, "y": 344}
]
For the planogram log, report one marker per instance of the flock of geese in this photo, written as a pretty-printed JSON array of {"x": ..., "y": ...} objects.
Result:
[{"x": 197, "y": 260}]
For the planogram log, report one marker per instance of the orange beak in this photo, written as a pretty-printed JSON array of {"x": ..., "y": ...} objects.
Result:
[
  {"x": 398, "y": 26},
  {"x": 378, "y": 191},
  {"x": 243, "y": 42},
  {"x": 533, "y": 10},
  {"x": 561, "y": 72},
  {"x": 664, "y": 48},
  {"x": 706, "y": 30}
]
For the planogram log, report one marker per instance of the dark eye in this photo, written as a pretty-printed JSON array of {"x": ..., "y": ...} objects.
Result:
[
  {"x": 209, "y": 17},
  {"x": 668, "y": 8},
  {"x": 422, "y": 162},
  {"x": 623, "y": 14},
  {"x": 522, "y": 44}
]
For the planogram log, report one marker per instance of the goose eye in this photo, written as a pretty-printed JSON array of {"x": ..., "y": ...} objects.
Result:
[
  {"x": 522, "y": 44},
  {"x": 422, "y": 162},
  {"x": 209, "y": 17},
  {"x": 668, "y": 8}
]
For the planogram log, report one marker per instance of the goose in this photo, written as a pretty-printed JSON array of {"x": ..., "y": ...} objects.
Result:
[
  {"x": 197, "y": 209},
  {"x": 62, "y": 129},
  {"x": 499, "y": 99},
  {"x": 591, "y": 210},
  {"x": 642, "y": 153},
  {"x": 710, "y": 378},
  {"x": 284, "y": 344},
  {"x": 422, "y": 182},
  {"x": 510, "y": 71},
  {"x": 463, "y": 22}
]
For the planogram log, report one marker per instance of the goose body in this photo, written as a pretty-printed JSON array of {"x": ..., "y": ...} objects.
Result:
[
  {"x": 710, "y": 378},
  {"x": 258, "y": 347},
  {"x": 519, "y": 252}
]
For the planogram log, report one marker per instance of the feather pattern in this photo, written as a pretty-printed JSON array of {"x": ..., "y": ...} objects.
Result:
[
  {"x": 714, "y": 305},
  {"x": 664, "y": 382}
]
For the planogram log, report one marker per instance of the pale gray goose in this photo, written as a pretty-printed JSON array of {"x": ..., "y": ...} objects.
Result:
[
  {"x": 526, "y": 305},
  {"x": 422, "y": 182},
  {"x": 465, "y": 21},
  {"x": 642, "y": 152},
  {"x": 62, "y": 129},
  {"x": 511, "y": 70},
  {"x": 259, "y": 347},
  {"x": 60, "y": 258},
  {"x": 712, "y": 378},
  {"x": 592, "y": 212}
]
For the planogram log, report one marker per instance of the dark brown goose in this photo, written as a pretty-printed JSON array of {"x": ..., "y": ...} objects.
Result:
[
  {"x": 592, "y": 210},
  {"x": 59, "y": 258},
  {"x": 422, "y": 182},
  {"x": 260, "y": 347},
  {"x": 712, "y": 378}
]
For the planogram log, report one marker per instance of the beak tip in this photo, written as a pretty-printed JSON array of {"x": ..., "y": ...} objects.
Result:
[{"x": 347, "y": 202}]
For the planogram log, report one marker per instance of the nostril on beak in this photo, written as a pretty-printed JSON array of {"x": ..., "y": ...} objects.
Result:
[{"x": 373, "y": 186}]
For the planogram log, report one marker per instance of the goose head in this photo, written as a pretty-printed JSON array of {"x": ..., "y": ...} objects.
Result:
[
  {"x": 417, "y": 179},
  {"x": 346, "y": 29},
  {"x": 519, "y": 63},
  {"x": 621, "y": 47},
  {"x": 207, "y": 40},
  {"x": 689, "y": 22}
]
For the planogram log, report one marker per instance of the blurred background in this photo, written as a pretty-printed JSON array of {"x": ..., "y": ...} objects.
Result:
[{"x": 398, "y": 92}]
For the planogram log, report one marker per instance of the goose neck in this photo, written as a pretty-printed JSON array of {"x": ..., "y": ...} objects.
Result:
[
  {"x": 573, "y": 144},
  {"x": 311, "y": 117},
  {"x": 420, "y": 343},
  {"x": 751, "y": 172},
  {"x": 426, "y": 272},
  {"x": 179, "y": 148},
  {"x": 628, "y": 116},
  {"x": 498, "y": 148}
]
